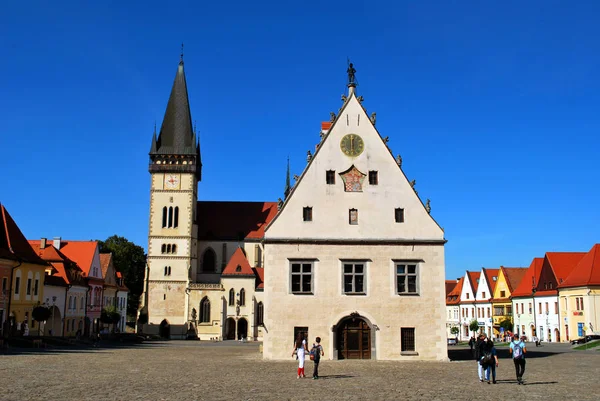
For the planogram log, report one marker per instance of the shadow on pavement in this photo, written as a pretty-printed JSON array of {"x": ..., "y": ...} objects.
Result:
[
  {"x": 335, "y": 377},
  {"x": 465, "y": 354}
]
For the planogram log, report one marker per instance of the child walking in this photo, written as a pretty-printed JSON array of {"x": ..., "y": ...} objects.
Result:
[{"x": 316, "y": 353}]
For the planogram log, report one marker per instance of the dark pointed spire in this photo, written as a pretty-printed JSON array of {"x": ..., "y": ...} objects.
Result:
[
  {"x": 176, "y": 134},
  {"x": 288, "y": 187},
  {"x": 153, "y": 146},
  {"x": 181, "y": 60}
]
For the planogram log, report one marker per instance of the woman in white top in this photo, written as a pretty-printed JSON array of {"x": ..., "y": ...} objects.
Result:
[{"x": 300, "y": 350}]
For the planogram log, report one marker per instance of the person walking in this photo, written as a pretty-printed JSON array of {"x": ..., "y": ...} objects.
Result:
[
  {"x": 490, "y": 361},
  {"x": 517, "y": 351},
  {"x": 479, "y": 350},
  {"x": 300, "y": 352},
  {"x": 315, "y": 354}
]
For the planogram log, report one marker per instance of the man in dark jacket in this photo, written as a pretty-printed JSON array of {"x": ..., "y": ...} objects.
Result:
[{"x": 479, "y": 352}]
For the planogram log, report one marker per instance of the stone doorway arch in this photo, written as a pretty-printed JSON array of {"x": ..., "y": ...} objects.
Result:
[
  {"x": 164, "y": 330},
  {"x": 230, "y": 329},
  {"x": 354, "y": 337},
  {"x": 242, "y": 331}
]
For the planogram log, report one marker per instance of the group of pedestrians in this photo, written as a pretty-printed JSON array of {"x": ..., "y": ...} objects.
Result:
[
  {"x": 487, "y": 357},
  {"x": 315, "y": 354}
]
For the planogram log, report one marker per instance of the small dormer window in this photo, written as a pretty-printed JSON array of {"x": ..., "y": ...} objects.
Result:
[
  {"x": 238, "y": 269},
  {"x": 330, "y": 177},
  {"x": 494, "y": 278},
  {"x": 483, "y": 294}
]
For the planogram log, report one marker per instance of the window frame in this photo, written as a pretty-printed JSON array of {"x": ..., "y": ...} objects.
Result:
[
  {"x": 353, "y": 263},
  {"x": 353, "y": 221},
  {"x": 204, "y": 310},
  {"x": 399, "y": 215},
  {"x": 307, "y": 215},
  {"x": 330, "y": 177},
  {"x": 303, "y": 263},
  {"x": 260, "y": 314},
  {"x": 408, "y": 345},
  {"x": 373, "y": 177},
  {"x": 242, "y": 297},
  {"x": 406, "y": 263},
  {"x": 231, "y": 300}
]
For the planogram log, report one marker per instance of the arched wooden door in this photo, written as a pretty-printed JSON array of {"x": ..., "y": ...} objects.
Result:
[
  {"x": 354, "y": 339},
  {"x": 164, "y": 330}
]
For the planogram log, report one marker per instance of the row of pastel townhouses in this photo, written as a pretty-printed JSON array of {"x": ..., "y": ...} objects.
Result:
[
  {"x": 71, "y": 279},
  {"x": 555, "y": 299}
]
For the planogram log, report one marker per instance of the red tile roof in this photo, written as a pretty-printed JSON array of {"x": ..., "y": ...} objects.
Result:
[
  {"x": 453, "y": 298},
  {"x": 474, "y": 279},
  {"x": 513, "y": 276},
  {"x": 563, "y": 263},
  {"x": 105, "y": 259},
  {"x": 489, "y": 277},
  {"x": 587, "y": 271},
  {"x": 12, "y": 241},
  {"x": 63, "y": 266},
  {"x": 531, "y": 275},
  {"x": 80, "y": 252},
  {"x": 260, "y": 277},
  {"x": 450, "y": 284},
  {"x": 234, "y": 220},
  {"x": 238, "y": 265}
]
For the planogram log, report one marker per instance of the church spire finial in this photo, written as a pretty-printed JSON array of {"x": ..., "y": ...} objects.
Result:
[
  {"x": 181, "y": 60},
  {"x": 288, "y": 187}
]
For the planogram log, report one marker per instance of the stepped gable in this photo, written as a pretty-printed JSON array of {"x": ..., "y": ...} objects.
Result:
[{"x": 587, "y": 271}]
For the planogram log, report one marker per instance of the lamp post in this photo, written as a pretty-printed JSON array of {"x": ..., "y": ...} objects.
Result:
[
  {"x": 547, "y": 326},
  {"x": 52, "y": 313},
  {"x": 533, "y": 291},
  {"x": 518, "y": 324}
]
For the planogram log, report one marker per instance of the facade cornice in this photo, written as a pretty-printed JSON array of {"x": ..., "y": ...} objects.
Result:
[
  {"x": 347, "y": 241},
  {"x": 167, "y": 281}
]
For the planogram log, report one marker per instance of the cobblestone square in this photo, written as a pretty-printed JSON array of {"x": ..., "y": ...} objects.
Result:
[{"x": 179, "y": 370}]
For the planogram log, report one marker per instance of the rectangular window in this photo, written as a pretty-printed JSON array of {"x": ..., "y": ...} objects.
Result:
[
  {"x": 330, "y": 177},
  {"x": 547, "y": 310},
  {"x": 483, "y": 294},
  {"x": 354, "y": 277},
  {"x": 36, "y": 286},
  {"x": 399, "y": 215},
  {"x": 307, "y": 214},
  {"x": 303, "y": 331},
  {"x": 509, "y": 310},
  {"x": 28, "y": 286},
  {"x": 407, "y": 339},
  {"x": 17, "y": 285},
  {"x": 581, "y": 302},
  {"x": 353, "y": 216},
  {"x": 407, "y": 279},
  {"x": 301, "y": 277},
  {"x": 530, "y": 310},
  {"x": 4, "y": 284},
  {"x": 489, "y": 312},
  {"x": 467, "y": 296},
  {"x": 540, "y": 308},
  {"x": 556, "y": 308},
  {"x": 373, "y": 179},
  {"x": 502, "y": 294}
]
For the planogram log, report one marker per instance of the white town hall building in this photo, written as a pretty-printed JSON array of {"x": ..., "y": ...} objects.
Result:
[{"x": 351, "y": 254}]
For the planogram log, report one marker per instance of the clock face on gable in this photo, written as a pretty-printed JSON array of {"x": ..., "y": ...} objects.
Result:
[
  {"x": 171, "y": 181},
  {"x": 352, "y": 145}
]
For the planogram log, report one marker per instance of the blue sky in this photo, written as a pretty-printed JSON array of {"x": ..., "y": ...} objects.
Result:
[{"x": 492, "y": 105}]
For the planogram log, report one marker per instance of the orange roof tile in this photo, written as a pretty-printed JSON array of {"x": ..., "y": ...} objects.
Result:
[
  {"x": 453, "y": 298},
  {"x": 238, "y": 265},
  {"x": 13, "y": 242},
  {"x": 64, "y": 267},
  {"x": 105, "y": 259},
  {"x": 513, "y": 276},
  {"x": 474, "y": 279},
  {"x": 563, "y": 263},
  {"x": 587, "y": 271},
  {"x": 489, "y": 277},
  {"x": 234, "y": 220},
  {"x": 80, "y": 252},
  {"x": 450, "y": 284},
  {"x": 530, "y": 277},
  {"x": 260, "y": 277}
]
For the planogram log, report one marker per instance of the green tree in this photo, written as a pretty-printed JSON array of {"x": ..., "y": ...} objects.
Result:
[
  {"x": 130, "y": 260},
  {"x": 40, "y": 314},
  {"x": 474, "y": 326},
  {"x": 454, "y": 330},
  {"x": 507, "y": 324}
]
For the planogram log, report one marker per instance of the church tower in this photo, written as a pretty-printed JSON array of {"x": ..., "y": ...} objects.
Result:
[{"x": 175, "y": 167}]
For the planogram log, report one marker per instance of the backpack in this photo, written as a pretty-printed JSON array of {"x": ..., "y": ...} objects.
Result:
[
  {"x": 517, "y": 350},
  {"x": 487, "y": 359},
  {"x": 314, "y": 353}
]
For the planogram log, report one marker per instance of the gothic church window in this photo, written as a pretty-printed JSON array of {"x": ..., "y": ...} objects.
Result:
[
  {"x": 176, "y": 219},
  {"x": 231, "y": 297},
  {"x": 209, "y": 261},
  {"x": 242, "y": 297},
  {"x": 164, "y": 217},
  {"x": 170, "y": 223},
  {"x": 163, "y": 248},
  {"x": 259, "y": 313},
  {"x": 205, "y": 310}
]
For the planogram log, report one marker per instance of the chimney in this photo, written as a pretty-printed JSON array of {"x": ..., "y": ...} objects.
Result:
[
  {"x": 56, "y": 242},
  {"x": 43, "y": 243}
]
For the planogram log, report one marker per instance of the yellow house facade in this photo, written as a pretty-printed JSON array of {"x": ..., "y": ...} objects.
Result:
[
  {"x": 508, "y": 279},
  {"x": 579, "y": 298},
  {"x": 26, "y": 279}
]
